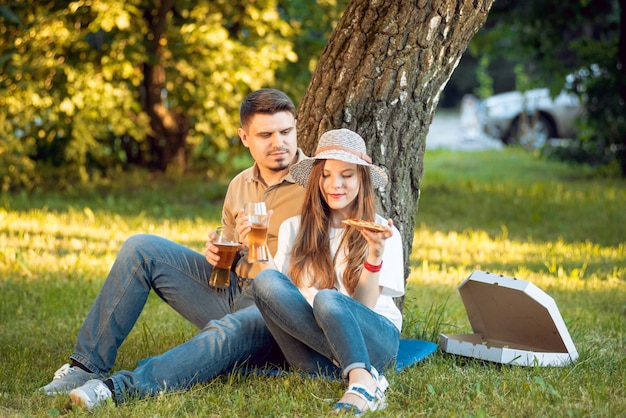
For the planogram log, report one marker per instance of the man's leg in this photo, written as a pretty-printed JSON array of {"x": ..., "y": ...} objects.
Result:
[
  {"x": 177, "y": 274},
  {"x": 238, "y": 339}
]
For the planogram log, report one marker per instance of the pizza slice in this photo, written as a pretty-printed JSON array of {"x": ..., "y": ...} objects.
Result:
[{"x": 360, "y": 223}]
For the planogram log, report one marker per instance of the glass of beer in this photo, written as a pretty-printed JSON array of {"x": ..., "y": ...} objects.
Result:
[
  {"x": 257, "y": 237},
  {"x": 227, "y": 241}
]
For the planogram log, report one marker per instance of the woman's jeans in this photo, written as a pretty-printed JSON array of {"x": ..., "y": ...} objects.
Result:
[
  {"x": 337, "y": 334},
  {"x": 233, "y": 332}
]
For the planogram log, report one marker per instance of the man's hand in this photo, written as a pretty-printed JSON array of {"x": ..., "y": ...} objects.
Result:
[
  {"x": 211, "y": 251},
  {"x": 244, "y": 226}
]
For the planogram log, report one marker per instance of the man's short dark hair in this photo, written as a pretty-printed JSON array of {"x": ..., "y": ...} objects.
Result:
[{"x": 266, "y": 101}]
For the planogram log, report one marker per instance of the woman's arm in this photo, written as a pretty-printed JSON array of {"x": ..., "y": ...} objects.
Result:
[{"x": 368, "y": 289}]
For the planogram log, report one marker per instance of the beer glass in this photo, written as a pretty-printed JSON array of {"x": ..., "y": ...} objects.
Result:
[
  {"x": 257, "y": 237},
  {"x": 227, "y": 241}
]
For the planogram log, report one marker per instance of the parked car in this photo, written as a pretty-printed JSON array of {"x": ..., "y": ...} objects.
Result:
[{"x": 530, "y": 118}]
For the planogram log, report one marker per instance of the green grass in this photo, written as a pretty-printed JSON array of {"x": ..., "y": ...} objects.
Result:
[{"x": 559, "y": 227}]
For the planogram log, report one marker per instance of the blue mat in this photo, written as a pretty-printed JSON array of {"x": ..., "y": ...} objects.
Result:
[{"x": 410, "y": 352}]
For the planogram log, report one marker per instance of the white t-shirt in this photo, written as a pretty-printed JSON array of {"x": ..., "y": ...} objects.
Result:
[{"x": 391, "y": 274}]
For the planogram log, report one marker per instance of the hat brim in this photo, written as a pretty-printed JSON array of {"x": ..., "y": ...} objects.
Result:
[{"x": 301, "y": 171}]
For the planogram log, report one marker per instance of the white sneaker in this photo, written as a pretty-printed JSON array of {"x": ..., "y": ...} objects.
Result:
[
  {"x": 92, "y": 394},
  {"x": 65, "y": 379}
]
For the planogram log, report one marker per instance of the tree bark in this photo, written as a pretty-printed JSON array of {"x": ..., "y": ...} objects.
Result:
[
  {"x": 166, "y": 144},
  {"x": 381, "y": 75}
]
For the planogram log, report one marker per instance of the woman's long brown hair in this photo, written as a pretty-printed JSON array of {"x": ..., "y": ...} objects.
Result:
[{"x": 310, "y": 262}]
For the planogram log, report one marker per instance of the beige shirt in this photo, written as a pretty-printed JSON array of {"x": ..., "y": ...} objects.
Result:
[{"x": 284, "y": 198}]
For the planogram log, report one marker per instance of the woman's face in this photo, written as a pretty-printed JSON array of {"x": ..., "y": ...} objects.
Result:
[{"x": 339, "y": 185}]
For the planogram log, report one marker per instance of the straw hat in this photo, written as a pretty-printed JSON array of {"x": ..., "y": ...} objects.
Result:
[{"x": 343, "y": 145}]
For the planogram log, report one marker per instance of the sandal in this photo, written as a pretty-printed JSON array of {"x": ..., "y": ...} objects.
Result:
[
  {"x": 373, "y": 402},
  {"x": 381, "y": 384}
]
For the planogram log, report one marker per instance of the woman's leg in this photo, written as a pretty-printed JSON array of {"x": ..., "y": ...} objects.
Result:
[
  {"x": 358, "y": 337},
  {"x": 289, "y": 317},
  {"x": 337, "y": 327}
]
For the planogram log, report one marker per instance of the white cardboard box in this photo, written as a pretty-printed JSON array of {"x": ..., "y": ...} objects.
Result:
[{"x": 514, "y": 322}]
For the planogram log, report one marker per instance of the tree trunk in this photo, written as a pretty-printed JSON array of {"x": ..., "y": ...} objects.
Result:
[
  {"x": 381, "y": 75},
  {"x": 166, "y": 143}
]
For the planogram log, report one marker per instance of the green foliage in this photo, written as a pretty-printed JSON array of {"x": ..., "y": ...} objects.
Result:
[
  {"x": 485, "y": 88},
  {"x": 312, "y": 23},
  {"x": 585, "y": 152},
  {"x": 559, "y": 226},
  {"x": 73, "y": 80},
  {"x": 567, "y": 45}
]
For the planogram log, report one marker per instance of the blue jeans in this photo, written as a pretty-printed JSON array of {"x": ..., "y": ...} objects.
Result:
[
  {"x": 180, "y": 277},
  {"x": 335, "y": 335}
]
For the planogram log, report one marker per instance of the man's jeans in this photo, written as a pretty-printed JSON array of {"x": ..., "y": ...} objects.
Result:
[
  {"x": 337, "y": 334},
  {"x": 180, "y": 277}
]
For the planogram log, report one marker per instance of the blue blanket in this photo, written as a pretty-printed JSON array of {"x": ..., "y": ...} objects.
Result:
[{"x": 410, "y": 352}]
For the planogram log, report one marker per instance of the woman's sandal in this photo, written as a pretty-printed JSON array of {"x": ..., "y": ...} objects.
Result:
[
  {"x": 381, "y": 383},
  {"x": 373, "y": 402}
]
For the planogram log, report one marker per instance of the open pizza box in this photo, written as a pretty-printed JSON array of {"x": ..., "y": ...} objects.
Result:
[{"x": 514, "y": 322}]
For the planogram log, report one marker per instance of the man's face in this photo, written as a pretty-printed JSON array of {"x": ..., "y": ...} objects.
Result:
[{"x": 272, "y": 140}]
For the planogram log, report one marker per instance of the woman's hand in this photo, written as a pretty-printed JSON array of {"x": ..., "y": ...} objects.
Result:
[
  {"x": 368, "y": 290},
  {"x": 376, "y": 241}
]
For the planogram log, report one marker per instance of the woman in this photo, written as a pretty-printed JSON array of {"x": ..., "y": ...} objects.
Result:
[{"x": 327, "y": 295}]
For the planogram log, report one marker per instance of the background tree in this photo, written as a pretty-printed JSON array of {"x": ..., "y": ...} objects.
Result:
[
  {"x": 94, "y": 84},
  {"x": 578, "y": 45},
  {"x": 312, "y": 22},
  {"x": 381, "y": 75}
]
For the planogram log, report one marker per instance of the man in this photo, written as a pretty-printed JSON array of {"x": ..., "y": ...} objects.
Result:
[{"x": 233, "y": 331}]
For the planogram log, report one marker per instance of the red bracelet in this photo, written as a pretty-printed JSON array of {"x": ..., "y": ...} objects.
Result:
[{"x": 372, "y": 268}]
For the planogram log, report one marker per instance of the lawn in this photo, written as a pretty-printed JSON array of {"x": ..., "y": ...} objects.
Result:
[{"x": 562, "y": 228}]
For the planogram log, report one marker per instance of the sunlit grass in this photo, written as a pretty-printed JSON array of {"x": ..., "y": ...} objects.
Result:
[
  {"x": 501, "y": 211},
  {"x": 39, "y": 242}
]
